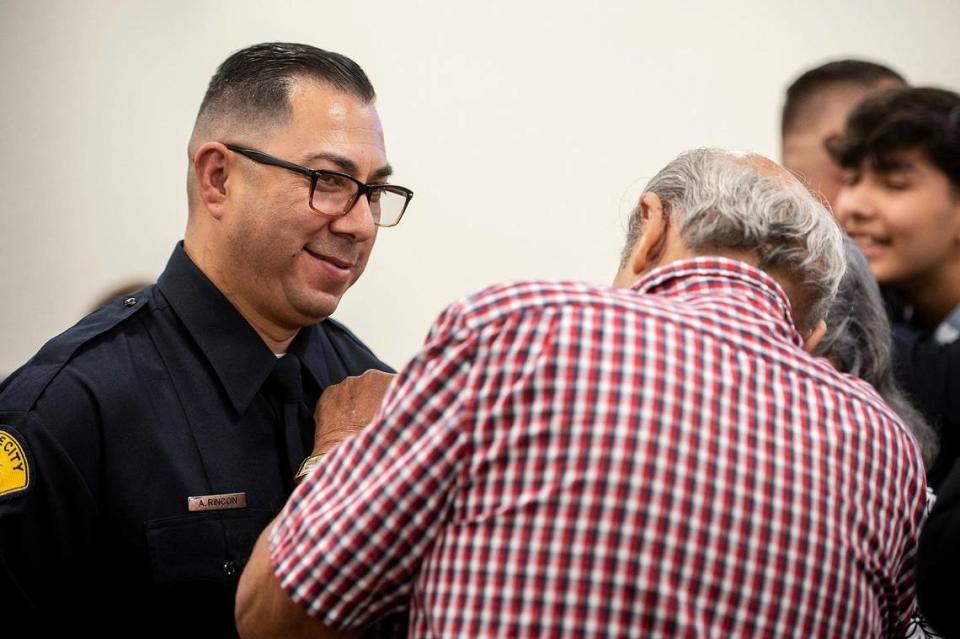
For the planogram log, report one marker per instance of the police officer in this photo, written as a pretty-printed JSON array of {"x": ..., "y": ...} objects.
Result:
[{"x": 142, "y": 451}]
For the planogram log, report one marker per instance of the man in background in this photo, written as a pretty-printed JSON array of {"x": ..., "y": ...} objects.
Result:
[
  {"x": 146, "y": 448},
  {"x": 815, "y": 111},
  {"x": 663, "y": 458}
]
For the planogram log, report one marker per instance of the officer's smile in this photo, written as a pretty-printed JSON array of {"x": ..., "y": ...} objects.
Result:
[{"x": 337, "y": 267}]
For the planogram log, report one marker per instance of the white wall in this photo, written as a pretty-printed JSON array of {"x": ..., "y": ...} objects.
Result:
[{"x": 519, "y": 125}]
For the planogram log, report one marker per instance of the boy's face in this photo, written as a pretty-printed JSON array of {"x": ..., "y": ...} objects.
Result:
[{"x": 904, "y": 215}]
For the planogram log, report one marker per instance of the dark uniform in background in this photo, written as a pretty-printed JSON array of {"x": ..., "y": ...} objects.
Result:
[
  {"x": 113, "y": 425},
  {"x": 929, "y": 372}
]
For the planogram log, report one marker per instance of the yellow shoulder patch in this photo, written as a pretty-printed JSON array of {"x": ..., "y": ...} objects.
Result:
[{"x": 14, "y": 469}]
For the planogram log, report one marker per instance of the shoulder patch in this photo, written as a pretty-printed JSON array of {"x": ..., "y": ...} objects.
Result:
[{"x": 14, "y": 468}]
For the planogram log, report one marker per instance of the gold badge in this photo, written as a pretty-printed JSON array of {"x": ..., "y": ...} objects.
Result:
[
  {"x": 14, "y": 470},
  {"x": 226, "y": 501}
]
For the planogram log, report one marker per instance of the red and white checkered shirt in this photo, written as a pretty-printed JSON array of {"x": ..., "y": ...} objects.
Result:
[{"x": 566, "y": 460}]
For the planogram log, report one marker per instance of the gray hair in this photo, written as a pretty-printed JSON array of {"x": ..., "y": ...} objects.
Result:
[
  {"x": 858, "y": 342},
  {"x": 723, "y": 203}
]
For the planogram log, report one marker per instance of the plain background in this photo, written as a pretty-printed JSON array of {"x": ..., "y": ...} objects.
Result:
[{"x": 525, "y": 129}]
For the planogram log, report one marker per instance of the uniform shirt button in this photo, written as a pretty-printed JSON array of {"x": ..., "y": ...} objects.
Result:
[
  {"x": 229, "y": 568},
  {"x": 130, "y": 301}
]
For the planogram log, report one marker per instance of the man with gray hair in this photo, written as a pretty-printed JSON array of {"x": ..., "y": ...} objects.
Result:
[{"x": 662, "y": 458}]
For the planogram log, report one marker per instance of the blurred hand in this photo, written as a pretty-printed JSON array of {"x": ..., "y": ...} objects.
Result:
[{"x": 347, "y": 407}]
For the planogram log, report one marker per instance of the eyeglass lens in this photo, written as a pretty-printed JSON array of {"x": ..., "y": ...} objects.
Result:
[{"x": 334, "y": 195}]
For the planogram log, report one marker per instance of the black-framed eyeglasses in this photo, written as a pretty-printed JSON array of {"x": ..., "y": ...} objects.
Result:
[{"x": 334, "y": 194}]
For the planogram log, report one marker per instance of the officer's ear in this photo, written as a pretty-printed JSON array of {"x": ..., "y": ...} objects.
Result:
[{"x": 211, "y": 167}]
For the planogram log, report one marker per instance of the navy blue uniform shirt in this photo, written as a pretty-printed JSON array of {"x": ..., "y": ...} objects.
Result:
[{"x": 106, "y": 432}]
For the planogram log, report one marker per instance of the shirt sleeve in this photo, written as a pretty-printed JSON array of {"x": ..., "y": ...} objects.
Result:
[
  {"x": 46, "y": 528},
  {"x": 348, "y": 544}
]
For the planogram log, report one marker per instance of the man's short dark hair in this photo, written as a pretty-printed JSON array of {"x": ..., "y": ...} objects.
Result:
[
  {"x": 924, "y": 119},
  {"x": 811, "y": 82},
  {"x": 255, "y": 82}
]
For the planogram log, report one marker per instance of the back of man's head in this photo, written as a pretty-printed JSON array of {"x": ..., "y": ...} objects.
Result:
[
  {"x": 725, "y": 202},
  {"x": 815, "y": 111},
  {"x": 806, "y": 96}
]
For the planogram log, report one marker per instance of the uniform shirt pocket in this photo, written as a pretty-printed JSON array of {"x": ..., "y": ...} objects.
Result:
[{"x": 203, "y": 547}]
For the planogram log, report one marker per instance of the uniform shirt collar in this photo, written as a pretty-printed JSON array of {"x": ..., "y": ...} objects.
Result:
[
  {"x": 239, "y": 357},
  {"x": 746, "y": 287}
]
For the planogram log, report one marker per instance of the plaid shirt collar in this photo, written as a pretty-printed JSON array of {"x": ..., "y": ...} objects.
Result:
[{"x": 746, "y": 287}]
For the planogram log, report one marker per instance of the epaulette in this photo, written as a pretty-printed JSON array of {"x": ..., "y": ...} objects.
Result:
[
  {"x": 20, "y": 390},
  {"x": 340, "y": 328},
  {"x": 333, "y": 325}
]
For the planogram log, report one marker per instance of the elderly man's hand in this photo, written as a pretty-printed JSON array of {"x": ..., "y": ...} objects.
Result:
[{"x": 348, "y": 407}]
